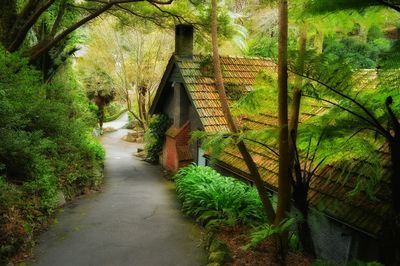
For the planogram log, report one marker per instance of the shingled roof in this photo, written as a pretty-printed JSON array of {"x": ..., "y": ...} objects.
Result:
[
  {"x": 328, "y": 192},
  {"x": 198, "y": 80}
]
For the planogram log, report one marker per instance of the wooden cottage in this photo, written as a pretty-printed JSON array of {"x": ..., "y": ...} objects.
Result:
[{"x": 343, "y": 227}]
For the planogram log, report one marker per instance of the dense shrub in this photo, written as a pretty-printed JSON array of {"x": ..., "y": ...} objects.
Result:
[
  {"x": 113, "y": 111},
  {"x": 46, "y": 146},
  {"x": 214, "y": 199},
  {"x": 354, "y": 52},
  {"x": 155, "y": 136}
]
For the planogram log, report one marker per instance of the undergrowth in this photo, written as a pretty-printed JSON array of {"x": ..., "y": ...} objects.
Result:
[
  {"x": 46, "y": 148},
  {"x": 213, "y": 199}
]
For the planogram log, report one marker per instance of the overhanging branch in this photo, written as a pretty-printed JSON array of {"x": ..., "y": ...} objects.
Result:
[
  {"x": 373, "y": 120},
  {"x": 23, "y": 31},
  {"x": 389, "y": 4}
]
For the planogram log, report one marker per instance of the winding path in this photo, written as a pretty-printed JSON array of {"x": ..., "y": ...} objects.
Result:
[{"x": 134, "y": 221}]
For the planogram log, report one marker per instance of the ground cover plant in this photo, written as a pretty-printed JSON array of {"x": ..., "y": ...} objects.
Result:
[
  {"x": 234, "y": 211},
  {"x": 213, "y": 199},
  {"x": 46, "y": 148}
]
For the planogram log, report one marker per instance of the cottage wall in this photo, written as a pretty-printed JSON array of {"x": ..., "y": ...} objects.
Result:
[
  {"x": 167, "y": 105},
  {"x": 332, "y": 241},
  {"x": 177, "y": 106}
]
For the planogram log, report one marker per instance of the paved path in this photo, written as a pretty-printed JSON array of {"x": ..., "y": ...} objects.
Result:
[
  {"x": 134, "y": 221},
  {"x": 120, "y": 122}
]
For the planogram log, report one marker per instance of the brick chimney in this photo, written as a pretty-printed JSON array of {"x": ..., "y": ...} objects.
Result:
[{"x": 184, "y": 40}]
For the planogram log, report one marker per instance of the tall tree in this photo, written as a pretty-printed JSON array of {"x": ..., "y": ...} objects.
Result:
[
  {"x": 300, "y": 176},
  {"x": 219, "y": 82},
  {"x": 284, "y": 188}
]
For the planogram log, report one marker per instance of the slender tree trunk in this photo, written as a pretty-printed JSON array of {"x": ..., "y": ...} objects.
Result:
[
  {"x": 262, "y": 191},
  {"x": 390, "y": 232},
  {"x": 319, "y": 42},
  {"x": 284, "y": 189},
  {"x": 58, "y": 20},
  {"x": 390, "y": 229},
  {"x": 300, "y": 186},
  {"x": 101, "y": 117},
  {"x": 297, "y": 92},
  {"x": 142, "y": 104}
]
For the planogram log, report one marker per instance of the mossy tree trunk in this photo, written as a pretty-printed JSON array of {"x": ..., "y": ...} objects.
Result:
[{"x": 219, "y": 82}]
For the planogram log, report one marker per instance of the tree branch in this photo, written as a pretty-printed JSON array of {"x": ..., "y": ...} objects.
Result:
[
  {"x": 351, "y": 112},
  {"x": 46, "y": 45},
  {"x": 390, "y": 5},
  {"x": 152, "y": 19},
  {"x": 264, "y": 145},
  {"x": 374, "y": 121},
  {"x": 22, "y": 32},
  {"x": 167, "y": 12},
  {"x": 57, "y": 21}
]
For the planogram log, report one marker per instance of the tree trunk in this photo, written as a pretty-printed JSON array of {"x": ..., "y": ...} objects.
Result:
[
  {"x": 101, "y": 117},
  {"x": 390, "y": 229},
  {"x": 22, "y": 31},
  {"x": 390, "y": 235},
  {"x": 319, "y": 42},
  {"x": 300, "y": 186},
  {"x": 297, "y": 92},
  {"x": 7, "y": 19},
  {"x": 284, "y": 189},
  {"x": 395, "y": 175},
  {"x": 219, "y": 83},
  {"x": 142, "y": 104}
]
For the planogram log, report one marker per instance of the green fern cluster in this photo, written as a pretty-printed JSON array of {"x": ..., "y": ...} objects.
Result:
[{"x": 213, "y": 199}]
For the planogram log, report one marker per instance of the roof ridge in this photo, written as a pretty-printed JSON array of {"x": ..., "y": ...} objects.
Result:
[{"x": 227, "y": 56}]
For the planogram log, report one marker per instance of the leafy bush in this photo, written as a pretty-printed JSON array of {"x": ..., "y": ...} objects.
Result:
[
  {"x": 354, "y": 52},
  {"x": 155, "y": 135},
  {"x": 265, "y": 231},
  {"x": 113, "y": 111},
  {"x": 45, "y": 146},
  {"x": 213, "y": 199}
]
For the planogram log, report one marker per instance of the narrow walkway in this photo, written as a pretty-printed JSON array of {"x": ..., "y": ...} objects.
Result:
[{"x": 134, "y": 221}]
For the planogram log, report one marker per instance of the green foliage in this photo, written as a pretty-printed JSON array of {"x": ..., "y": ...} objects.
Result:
[
  {"x": 323, "y": 6},
  {"x": 354, "y": 52},
  {"x": 213, "y": 199},
  {"x": 351, "y": 124},
  {"x": 266, "y": 46},
  {"x": 155, "y": 136},
  {"x": 45, "y": 146},
  {"x": 363, "y": 263},
  {"x": 263, "y": 46},
  {"x": 351, "y": 263},
  {"x": 113, "y": 111},
  {"x": 265, "y": 231},
  {"x": 213, "y": 142}
]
